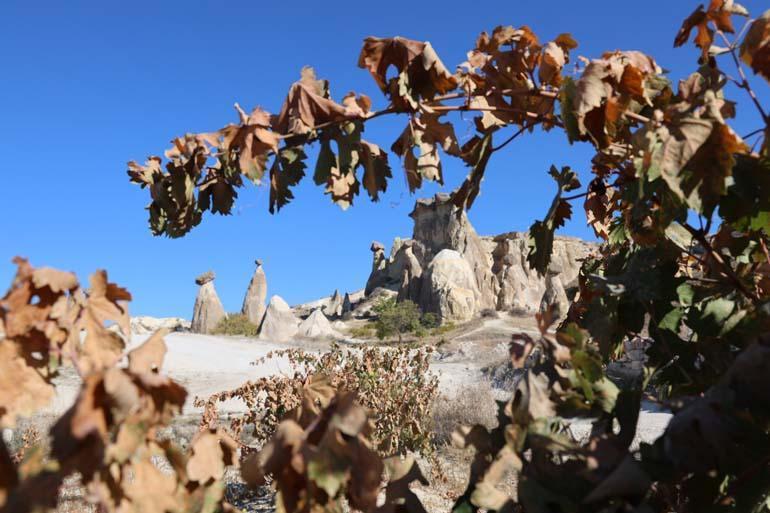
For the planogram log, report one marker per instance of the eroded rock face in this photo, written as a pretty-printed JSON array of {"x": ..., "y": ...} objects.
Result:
[
  {"x": 254, "y": 300},
  {"x": 279, "y": 323},
  {"x": 503, "y": 279},
  {"x": 334, "y": 307},
  {"x": 554, "y": 296},
  {"x": 208, "y": 309},
  {"x": 317, "y": 325},
  {"x": 439, "y": 225},
  {"x": 521, "y": 289},
  {"x": 143, "y": 324},
  {"x": 449, "y": 288}
]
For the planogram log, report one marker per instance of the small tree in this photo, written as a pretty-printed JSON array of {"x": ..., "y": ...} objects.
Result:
[{"x": 396, "y": 318}]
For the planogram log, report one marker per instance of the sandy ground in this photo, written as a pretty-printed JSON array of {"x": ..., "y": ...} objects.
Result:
[{"x": 208, "y": 364}]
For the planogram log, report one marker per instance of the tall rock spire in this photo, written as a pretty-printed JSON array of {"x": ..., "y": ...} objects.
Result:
[{"x": 254, "y": 300}]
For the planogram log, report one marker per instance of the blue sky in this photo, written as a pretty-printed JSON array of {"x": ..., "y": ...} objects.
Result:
[{"x": 87, "y": 86}]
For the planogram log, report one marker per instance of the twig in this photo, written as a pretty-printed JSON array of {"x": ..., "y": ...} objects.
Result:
[
  {"x": 725, "y": 268},
  {"x": 744, "y": 84}
]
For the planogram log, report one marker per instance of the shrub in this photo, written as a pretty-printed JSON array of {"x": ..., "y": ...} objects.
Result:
[
  {"x": 489, "y": 313},
  {"x": 236, "y": 324},
  {"x": 429, "y": 320},
  {"x": 365, "y": 331},
  {"x": 396, "y": 318},
  {"x": 394, "y": 384},
  {"x": 474, "y": 404}
]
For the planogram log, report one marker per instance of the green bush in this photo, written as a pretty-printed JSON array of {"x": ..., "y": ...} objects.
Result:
[
  {"x": 365, "y": 331},
  {"x": 236, "y": 324},
  {"x": 396, "y": 318},
  {"x": 429, "y": 320}
]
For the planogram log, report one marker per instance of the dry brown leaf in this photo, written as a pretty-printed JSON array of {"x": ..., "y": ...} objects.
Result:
[
  {"x": 22, "y": 389},
  {"x": 149, "y": 356},
  {"x": 755, "y": 48},
  {"x": 422, "y": 75},
  {"x": 719, "y": 14},
  {"x": 307, "y": 106}
]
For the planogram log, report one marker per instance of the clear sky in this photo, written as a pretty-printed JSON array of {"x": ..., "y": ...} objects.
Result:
[{"x": 87, "y": 86}]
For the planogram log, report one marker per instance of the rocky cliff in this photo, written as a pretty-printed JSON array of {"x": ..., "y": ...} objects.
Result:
[{"x": 493, "y": 269}]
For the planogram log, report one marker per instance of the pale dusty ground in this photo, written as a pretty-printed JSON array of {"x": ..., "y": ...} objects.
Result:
[{"x": 208, "y": 364}]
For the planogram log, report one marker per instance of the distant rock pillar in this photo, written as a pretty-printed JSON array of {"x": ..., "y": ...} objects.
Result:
[
  {"x": 254, "y": 300},
  {"x": 379, "y": 264},
  {"x": 347, "y": 307},
  {"x": 555, "y": 294},
  {"x": 334, "y": 306},
  {"x": 208, "y": 309}
]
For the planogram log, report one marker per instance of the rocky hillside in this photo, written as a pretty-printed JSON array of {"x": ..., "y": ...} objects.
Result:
[{"x": 448, "y": 269}]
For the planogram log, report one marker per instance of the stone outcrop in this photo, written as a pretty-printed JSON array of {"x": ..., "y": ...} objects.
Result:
[
  {"x": 254, "y": 300},
  {"x": 317, "y": 325},
  {"x": 208, "y": 309},
  {"x": 142, "y": 325},
  {"x": 334, "y": 307},
  {"x": 449, "y": 288},
  {"x": 521, "y": 289},
  {"x": 279, "y": 323},
  {"x": 347, "y": 306},
  {"x": 554, "y": 296},
  {"x": 498, "y": 264}
]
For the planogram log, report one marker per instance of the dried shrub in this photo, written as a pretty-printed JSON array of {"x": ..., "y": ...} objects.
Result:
[
  {"x": 473, "y": 404},
  {"x": 394, "y": 385},
  {"x": 236, "y": 324}
]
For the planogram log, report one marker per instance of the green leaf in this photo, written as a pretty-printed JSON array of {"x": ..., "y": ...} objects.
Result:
[
  {"x": 287, "y": 170},
  {"x": 541, "y": 233},
  {"x": 746, "y": 206},
  {"x": 326, "y": 161}
]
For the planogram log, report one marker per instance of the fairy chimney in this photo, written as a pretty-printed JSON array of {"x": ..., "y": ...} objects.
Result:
[
  {"x": 254, "y": 300},
  {"x": 208, "y": 310}
]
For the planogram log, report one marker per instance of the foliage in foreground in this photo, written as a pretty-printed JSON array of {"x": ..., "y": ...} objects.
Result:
[
  {"x": 681, "y": 201},
  {"x": 666, "y": 158},
  {"x": 236, "y": 324},
  {"x": 394, "y": 385},
  {"x": 109, "y": 436}
]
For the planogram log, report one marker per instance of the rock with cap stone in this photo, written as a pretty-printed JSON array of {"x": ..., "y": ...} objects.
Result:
[
  {"x": 208, "y": 309},
  {"x": 279, "y": 323},
  {"x": 254, "y": 301}
]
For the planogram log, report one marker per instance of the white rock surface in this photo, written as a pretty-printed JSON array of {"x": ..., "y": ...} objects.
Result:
[
  {"x": 317, "y": 326},
  {"x": 254, "y": 300},
  {"x": 279, "y": 324},
  {"x": 141, "y": 325},
  {"x": 449, "y": 288},
  {"x": 208, "y": 309}
]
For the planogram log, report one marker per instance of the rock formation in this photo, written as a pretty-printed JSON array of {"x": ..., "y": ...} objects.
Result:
[
  {"x": 347, "y": 306},
  {"x": 334, "y": 307},
  {"x": 279, "y": 323},
  {"x": 142, "y": 325},
  {"x": 254, "y": 300},
  {"x": 317, "y": 326},
  {"x": 554, "y": 295},
  {"x": 208, "y": 310},
  {"x": 449, "y": 288},
  {"x": 503, "y": 279}
]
